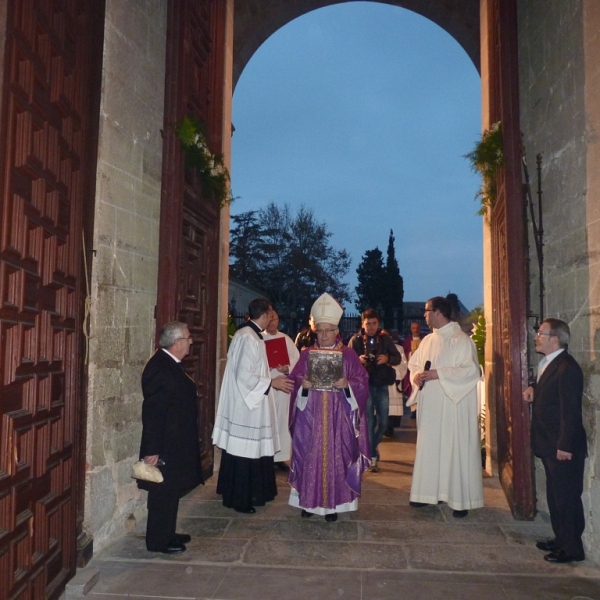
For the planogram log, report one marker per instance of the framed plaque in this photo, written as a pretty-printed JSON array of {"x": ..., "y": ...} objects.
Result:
[{"x": 325, "y": 367}]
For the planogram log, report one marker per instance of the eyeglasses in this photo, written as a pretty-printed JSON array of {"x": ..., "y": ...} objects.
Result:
[
  {"x": 540, "y": 333},
  {"x": 430, "y": 309},
  {"x": 326, "y": 331},
  {"x": 187, "y": 338}
]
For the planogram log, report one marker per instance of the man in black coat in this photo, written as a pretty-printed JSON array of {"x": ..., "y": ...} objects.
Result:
[
  {"x": 558, "y": 438},
  {"x": 169, "y": 437}
]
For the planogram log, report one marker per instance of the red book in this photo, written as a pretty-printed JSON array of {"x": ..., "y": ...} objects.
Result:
[{"x": 277, "y": 353}]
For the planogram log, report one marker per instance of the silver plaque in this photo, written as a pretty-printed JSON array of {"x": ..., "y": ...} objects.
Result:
[{"x": 325, "y": 367}]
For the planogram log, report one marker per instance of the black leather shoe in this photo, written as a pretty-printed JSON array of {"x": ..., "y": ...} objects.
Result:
[
  {"x": 332, "y": 518},
  {"x": 460, "y": 514},
  {"x": 418, "y": 504},
  {"x": 182, "y": 538},
  {"x": 248, "y": 511},
  {"x": 172, "y": 548},
  {"x": 546, "y": 545},
  {"x": 305, "y": 514},
  {"x": 560, "y": 556}
]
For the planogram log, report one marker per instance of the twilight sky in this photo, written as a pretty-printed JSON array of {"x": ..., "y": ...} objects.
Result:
[{"x": 363, "y": 112}]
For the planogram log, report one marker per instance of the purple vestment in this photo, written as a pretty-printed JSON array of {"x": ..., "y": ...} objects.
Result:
[{"x": 330, "y": 444}]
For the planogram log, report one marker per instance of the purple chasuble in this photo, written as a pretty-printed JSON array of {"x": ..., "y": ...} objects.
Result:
[{"x": 330, "y": 443}]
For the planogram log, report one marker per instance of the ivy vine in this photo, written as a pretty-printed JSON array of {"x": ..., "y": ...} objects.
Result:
[
  {"x": 487, "y": 158},
  {"x": 209, "y": 167}
]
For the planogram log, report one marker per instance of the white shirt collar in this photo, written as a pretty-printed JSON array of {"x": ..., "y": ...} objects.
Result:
[
  {"x": 550, "y": 357},
  {"x": 173, "y": 357}
]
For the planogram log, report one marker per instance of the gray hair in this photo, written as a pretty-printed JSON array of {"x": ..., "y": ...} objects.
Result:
[
  {"x": 170, "y": 333},
  {"x": 561, "y": 330}
]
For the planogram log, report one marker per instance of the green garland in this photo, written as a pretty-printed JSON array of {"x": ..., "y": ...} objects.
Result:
[
  {"x": 487, "y": 158},
  {"x": 209, "y": 167}
]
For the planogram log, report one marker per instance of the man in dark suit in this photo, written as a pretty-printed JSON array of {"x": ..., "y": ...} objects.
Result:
[
  {"x": 558, "y": 438},
  {"x": 169, "y": 437}
]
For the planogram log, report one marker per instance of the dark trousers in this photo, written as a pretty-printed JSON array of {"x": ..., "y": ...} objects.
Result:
[
  {"x": 163, "y": 504},
  {"x": 564, "y": 486}
]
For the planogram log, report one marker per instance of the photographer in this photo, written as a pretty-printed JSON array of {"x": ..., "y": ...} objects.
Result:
[{"x": 378, "y": 354}]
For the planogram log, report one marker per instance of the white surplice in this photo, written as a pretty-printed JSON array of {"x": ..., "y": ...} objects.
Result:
[
  {"x": 448, "y": 459},
  {"x": 246, "y": 421},
  {"x": 396, "y": 399},
  {"x": 282, "y": 400}
]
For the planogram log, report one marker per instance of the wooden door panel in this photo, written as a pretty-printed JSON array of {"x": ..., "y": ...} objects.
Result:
[
  {"x": 190, "y": 221},
  {"x": 508, "y": 268},
  {"x": 47, "y": 182}
]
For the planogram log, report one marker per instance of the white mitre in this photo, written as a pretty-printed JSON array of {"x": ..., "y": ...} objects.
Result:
[{"x": 326, "y": 309}]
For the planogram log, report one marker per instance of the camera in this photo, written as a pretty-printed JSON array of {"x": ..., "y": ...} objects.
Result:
[{"x": 371, "y": 352}]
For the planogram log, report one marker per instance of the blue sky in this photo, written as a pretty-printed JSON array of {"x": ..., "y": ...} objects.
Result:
[{"x": 363, "y": 112}]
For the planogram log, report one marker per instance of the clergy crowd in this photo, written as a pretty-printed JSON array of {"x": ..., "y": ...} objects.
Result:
[{"x": 318, "y": 409}]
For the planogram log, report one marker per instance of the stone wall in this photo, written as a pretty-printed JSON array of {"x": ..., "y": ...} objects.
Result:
[
  {"x": 559, "y": 50},
  {"x": 124, "y": 277}
]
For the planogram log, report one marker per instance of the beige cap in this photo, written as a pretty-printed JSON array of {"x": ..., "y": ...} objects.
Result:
[{"x": 326, "y": 309}]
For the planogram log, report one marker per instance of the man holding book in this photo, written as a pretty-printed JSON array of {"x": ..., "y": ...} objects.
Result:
[
  {"x": 282, "y": 355},
  {"x": 330, "y": 444}
]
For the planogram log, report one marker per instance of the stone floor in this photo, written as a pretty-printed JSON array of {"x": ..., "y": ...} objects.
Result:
[{"x": 386, "y": 550}]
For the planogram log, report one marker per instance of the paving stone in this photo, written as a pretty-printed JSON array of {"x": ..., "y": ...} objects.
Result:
[
  {"x": 485, "y": 514},
  {"x": 385, "y": 512},
  {"x": 290, "y": 584},
  {"x": 325, "y": 554},
  {"x": 479, "y": 558},
  {"x": 551, "y": 588},
  {"x": 411, "y": 532},
  {"x": 159, "y": 579},
  {"x": 315, "y": 528},
  {"x": 385, "y": 550},
  {"x": 203, "y": 527}
]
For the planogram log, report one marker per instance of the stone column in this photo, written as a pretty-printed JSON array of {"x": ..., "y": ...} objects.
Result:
[{"x": 124, "y": 270}]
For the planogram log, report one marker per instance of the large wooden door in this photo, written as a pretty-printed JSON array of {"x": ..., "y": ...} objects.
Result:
[
  {"x": 190, "y": 220},
  {"x": 508, "y": 268},
  {"x": 49, "y": 118}
]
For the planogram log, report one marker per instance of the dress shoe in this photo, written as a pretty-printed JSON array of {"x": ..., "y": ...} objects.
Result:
[
  {"x": 172, "y": 548},
  {"x": 247, "y": 511},
  {"x": 331, "y": 518},
  {"x": 546, "y": 545},
  {"x": 418, "y": 504},
  {"x": 182, "y": 538},
  {"x": 560, "y": 556},
  {"x": 305, "y": 514},
  {"x": 282, "y": 467},
  {"x": 460, "y": 514}
]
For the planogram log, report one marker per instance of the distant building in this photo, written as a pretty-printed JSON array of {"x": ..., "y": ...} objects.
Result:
[{"x": 240, "y": 294}]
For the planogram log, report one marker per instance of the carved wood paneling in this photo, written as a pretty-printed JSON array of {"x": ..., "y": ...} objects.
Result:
[
  {"x": 190, "y": 221},
  {"x": 508, "y": 269},
  {"x": 46, "y": 178}
]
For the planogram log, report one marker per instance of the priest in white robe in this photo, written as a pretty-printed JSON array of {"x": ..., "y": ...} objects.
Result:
[
  {"x": 282, "y": 399},
  {"x": 444, "y": 375},
  {"x": 246, "y": 424}
]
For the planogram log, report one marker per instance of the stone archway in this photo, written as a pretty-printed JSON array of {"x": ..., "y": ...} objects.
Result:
[
  {"x": 256, "y": 20},
  {"x": 487, "y": 31}
]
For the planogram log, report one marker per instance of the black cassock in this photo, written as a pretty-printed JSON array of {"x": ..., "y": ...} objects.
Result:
[{"x": 170, "y": 430}]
